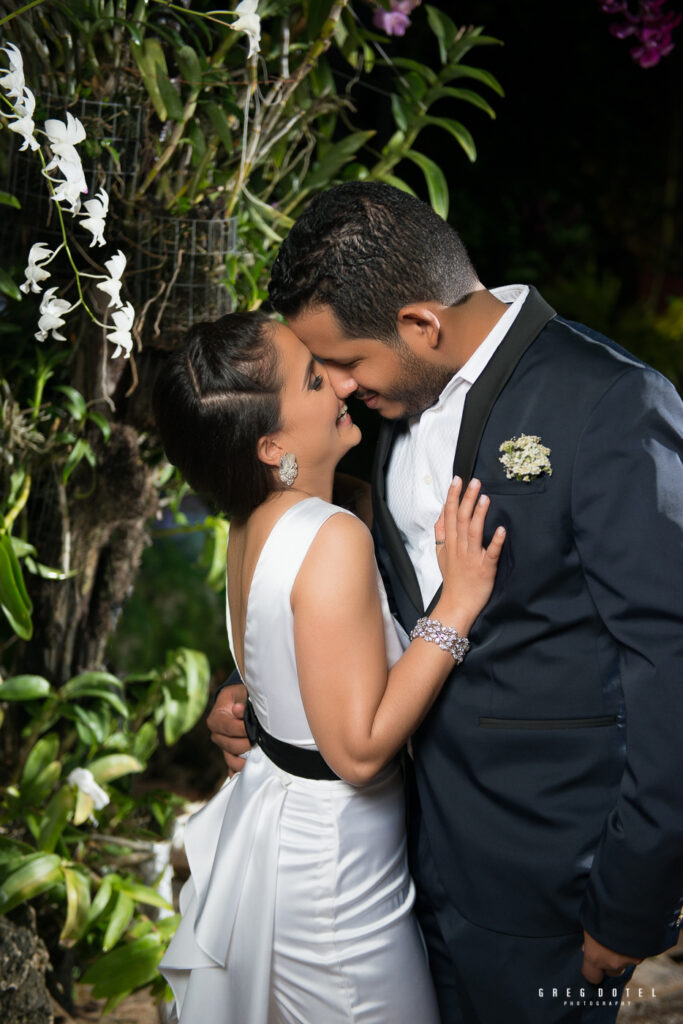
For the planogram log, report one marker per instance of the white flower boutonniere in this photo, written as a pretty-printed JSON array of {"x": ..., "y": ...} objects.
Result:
[{"x": 524, "y": 457}]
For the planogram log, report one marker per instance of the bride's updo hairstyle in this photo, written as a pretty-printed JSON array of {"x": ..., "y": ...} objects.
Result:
[{"x": 215, "y": 397}]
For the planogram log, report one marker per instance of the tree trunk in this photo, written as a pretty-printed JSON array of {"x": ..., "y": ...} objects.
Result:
[{"x": 97, "y": 531}]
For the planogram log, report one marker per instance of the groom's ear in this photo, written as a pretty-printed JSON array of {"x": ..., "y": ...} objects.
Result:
[
  {"x": 269, "y": 451},
  {"x": 419, "y": 325}
]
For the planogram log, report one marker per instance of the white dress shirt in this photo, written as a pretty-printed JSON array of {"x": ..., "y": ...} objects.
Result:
[{"x": 421, "y": 463}]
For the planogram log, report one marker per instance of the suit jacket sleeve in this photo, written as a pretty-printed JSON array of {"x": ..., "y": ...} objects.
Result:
[{"x": 627, "y": 508}]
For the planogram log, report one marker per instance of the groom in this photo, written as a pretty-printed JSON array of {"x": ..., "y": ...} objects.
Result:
[{"x": 547, "y": 840}]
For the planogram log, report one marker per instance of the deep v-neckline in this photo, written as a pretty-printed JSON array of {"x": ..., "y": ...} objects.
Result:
[{"x": 257, "y": 566}]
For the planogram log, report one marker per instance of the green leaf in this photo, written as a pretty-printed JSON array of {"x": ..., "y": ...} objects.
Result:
[
  {"x": 437, "y": 186},
  {"x": 220, "y": 125},
  {"x": 81, "y": 450},
  {"x": 412, "y": 65},
  {"x": 114, "y": 766},
  {"x": 457, "y": 130},
  {"x": 85, "y": 805},
  {"x": 145, "y": 742},
  {"x": 400, "y": 114},
  {"x": 12, "y": 853},
  {"x": 212, "y": 557},
  {"x": 121, "y": 915},
  {"x": 86, "y": 679},
  {"x": 144, "y": 894},
  {"x": 190, "y": 67},
  {"x": 14, "y": 599},
  {"x": 95, "y": 724},
  {"x": 102, "y": 897},
  {"x": 77, "y": 906},
  {"x": 56, "y": 816},
  {"x": 44, "y": 751},
  {"x": 75, "y": 405},
  {"x": 126, "y": 968},
  {"x": 317, "y": 12},
  {"x": 22, "y": 547},
  {"x": 149, "y": 56},
  {"x": 464, "y": 94},
  {"x": 25, "y": 688},
  {"x": 9, "y": 286},
  {"x": 39, "y": 789},
  {"x": 169, "y": 94},
  {"x": 102, "y": 423},
  {"x": 106, "y": 695},
  {"x": 167, "y": 927},
  {"x": 392, "y": 179},
  {"x": 185, "y": 690},
  {"x": 38, "y": 873},
  {"x": 6, "y": 199},
  {"x": 444, "y": 28},
  {"x": 463, "y": 71},
  {"x": 468, "y": 41},
  {"x": 334, "y": 158}
]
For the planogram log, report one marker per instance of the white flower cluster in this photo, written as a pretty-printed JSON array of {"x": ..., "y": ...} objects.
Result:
[
  {"x": 524, "y": 457},
  {"x": 67, "y": 183},
  {"x": 249, "y": 22}
]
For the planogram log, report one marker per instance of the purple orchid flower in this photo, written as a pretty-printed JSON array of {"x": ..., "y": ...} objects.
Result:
[
  {"x": 649, "y": 24},
  {"x": 394, "y": 21}
]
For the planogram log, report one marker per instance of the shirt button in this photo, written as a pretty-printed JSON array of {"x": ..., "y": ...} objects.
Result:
[{"x": 428, "y": 479}]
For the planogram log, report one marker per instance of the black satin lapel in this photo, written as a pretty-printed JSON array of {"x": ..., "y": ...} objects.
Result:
[
  {"x": 484, "y": 393},
  {"x": 385, "y": 521}
]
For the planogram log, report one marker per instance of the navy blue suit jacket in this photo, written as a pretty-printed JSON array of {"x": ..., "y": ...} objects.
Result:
[{"x": 550, "y": 771}]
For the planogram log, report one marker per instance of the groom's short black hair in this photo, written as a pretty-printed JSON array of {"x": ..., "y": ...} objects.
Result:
[
  {"x": 366, "y": 249},
  {"x": 215, "y": 397}
]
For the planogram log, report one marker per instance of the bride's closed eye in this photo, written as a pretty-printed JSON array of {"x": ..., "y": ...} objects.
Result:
[{"x": 315, "y": 382}]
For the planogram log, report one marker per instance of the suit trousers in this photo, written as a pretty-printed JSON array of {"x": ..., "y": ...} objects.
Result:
[{"x": 489, "y": 977}]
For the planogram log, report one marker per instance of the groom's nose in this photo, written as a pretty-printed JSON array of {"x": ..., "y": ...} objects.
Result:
[{"x": 343, "y": 384}]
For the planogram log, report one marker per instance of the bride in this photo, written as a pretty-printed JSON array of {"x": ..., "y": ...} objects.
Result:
[{"x": 298, "y": 908}]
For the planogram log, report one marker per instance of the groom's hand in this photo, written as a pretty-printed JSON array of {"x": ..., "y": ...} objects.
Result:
[
  {"x": 599, "y": 961},
  {"x": 226, "y": 725}
]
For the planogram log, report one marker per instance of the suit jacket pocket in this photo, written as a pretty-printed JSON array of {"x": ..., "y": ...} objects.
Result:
[
  {"x": 504, "y": 486},
  {"x": 548, "y": 723}
]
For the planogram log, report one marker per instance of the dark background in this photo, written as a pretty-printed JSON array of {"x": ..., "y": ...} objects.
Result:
[{"x": 581, "y": 166}]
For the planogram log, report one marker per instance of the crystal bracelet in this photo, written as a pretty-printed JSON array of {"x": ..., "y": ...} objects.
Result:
[{"x": 445, "y": 637}]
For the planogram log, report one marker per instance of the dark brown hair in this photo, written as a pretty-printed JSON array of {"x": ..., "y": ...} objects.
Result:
[{"x": 217, "y": 395}]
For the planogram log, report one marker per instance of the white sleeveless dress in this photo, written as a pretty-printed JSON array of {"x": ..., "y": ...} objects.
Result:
[{"x": 298, "y": 908}]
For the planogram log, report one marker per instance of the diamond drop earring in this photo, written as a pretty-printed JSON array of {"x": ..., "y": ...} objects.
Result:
[{"x": 288, "y": 469}]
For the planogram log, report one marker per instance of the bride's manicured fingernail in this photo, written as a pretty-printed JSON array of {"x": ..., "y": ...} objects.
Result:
[
  {"x": 456, "y": 481},
  {"x": 474, "y": 482},
  {"x": 483, "y": 500}
]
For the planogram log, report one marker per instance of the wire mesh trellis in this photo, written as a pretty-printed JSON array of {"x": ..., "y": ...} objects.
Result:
[
  {"x": 175, "y": 264},
  {"x": 179, "y": 267}
]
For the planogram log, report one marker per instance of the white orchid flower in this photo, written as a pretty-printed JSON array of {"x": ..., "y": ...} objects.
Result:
[
  {"x": 120, "y": 334},
  {"x": 84, "y": 780},
  {"x": 71, "y": 187},
  {"x": 52, "y": 316},
  {"x": 34, "y": 273},
  {"x": 13, "y": 80},
  {"x": 23, "y": 122},
  {"x": 96, "y": 210},
  {"x": 248, "y": 22},
  {"x": 112, "y": 284},
  {"x": 63, "y": 138}
]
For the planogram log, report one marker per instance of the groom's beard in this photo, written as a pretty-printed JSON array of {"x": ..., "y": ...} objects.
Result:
[{"x": 418, "y": 385}]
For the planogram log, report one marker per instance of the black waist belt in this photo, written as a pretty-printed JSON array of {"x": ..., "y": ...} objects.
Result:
[{"x": 308, "y": 764}]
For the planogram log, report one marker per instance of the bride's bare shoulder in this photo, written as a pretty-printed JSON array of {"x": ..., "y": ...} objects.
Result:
[{"x": 341, "y": 551}]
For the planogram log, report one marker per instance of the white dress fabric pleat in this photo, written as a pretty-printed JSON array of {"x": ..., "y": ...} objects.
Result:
[{"x": 299, "y": 905}]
